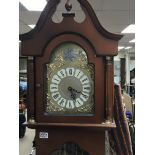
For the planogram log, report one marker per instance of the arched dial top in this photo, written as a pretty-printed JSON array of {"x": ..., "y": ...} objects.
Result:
[{"x": 70, "y": 81}]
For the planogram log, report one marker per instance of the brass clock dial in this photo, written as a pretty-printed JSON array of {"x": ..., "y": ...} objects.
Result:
[{"x": 70, "y": 82}]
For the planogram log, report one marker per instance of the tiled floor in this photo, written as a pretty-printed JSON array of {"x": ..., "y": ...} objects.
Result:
[{"x": 25, "y": 143}]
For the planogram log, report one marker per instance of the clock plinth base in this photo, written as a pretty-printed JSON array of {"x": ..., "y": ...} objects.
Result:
[{"x": 91, "y": 141}]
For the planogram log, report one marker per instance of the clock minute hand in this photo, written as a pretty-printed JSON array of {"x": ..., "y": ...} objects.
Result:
[
  {"x": 75, "y": 90},
  {"x": 78, "y": 91}
]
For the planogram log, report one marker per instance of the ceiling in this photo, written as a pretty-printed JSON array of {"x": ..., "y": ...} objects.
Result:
[{"x": 114, "y": 16}]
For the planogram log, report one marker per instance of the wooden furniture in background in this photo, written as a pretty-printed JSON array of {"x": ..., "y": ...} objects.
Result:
[{"x": 122, "y": 72}]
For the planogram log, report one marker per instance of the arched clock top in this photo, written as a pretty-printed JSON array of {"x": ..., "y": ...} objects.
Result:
[
  {"x": 81, "y": 41},
  {"x": 104, "y": 42}
]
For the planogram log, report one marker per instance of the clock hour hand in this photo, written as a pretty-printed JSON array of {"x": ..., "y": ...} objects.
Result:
[{"x": 73, "y": 95}]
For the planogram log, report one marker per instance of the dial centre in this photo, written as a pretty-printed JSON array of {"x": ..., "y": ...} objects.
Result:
[{"x": 68, "y": 86}]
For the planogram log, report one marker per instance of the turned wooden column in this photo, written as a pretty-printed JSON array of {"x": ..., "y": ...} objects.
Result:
[
  {"x": 30, "y": 95},
  {"x": 109, "y": 89}
]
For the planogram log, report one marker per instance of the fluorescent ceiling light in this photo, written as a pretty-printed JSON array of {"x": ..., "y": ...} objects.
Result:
[
  {"x": 120, "y": 47},
  {"x": 32, "y": 26},
  {"x": 132, "y": 41},
  {"x": 34, "y": 5},
  {"x": 128, "y": 47},
  {"x": 129, "y": 29}
]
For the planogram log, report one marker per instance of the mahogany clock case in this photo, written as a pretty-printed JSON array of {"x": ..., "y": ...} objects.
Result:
[{"x": 100, "y": 46}]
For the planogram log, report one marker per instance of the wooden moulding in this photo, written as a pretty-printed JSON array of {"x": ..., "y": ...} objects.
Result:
[{"x": 102, "y": 126}]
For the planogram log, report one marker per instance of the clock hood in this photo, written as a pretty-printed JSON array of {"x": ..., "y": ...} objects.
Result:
[{"x": 34, "y": 42}]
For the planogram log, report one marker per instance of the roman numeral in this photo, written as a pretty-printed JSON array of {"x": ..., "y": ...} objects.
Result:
[
  {"x": 84, "y": 79},
  {"x": 70, "y": 104},
  {"x": 78, "y": 102},
  {"x": 62, "y": 102},
  {"x": 62, "y": 73}
]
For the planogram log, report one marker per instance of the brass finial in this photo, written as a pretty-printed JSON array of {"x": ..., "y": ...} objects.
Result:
[{"x": 68, "y": 5}]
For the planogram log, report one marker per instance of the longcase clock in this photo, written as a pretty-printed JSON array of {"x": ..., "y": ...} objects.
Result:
[{"x": 70, "y": 81}]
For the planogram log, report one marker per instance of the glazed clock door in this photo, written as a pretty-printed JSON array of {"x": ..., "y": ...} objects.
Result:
[
  {"x": 69, "y": 82},
  {"x": 67, "y": 79}
]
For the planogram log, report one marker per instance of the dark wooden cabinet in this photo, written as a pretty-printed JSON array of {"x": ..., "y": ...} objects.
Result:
[{"x": 72, "y": 121}]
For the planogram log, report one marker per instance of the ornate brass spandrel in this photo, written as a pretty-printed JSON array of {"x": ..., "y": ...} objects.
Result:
[{"x": 68, "y": 55}]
